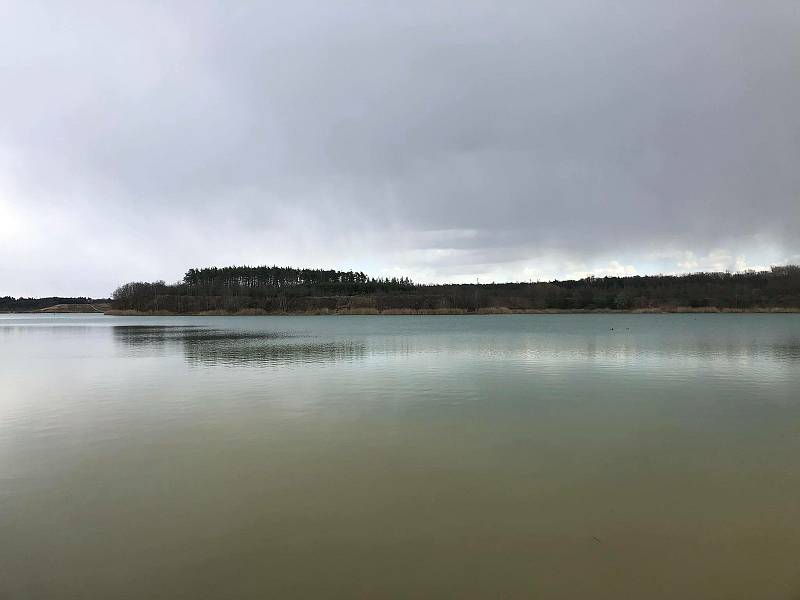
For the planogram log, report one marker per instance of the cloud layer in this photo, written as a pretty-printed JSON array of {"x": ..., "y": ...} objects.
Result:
[{"x": 444, "y": 140}]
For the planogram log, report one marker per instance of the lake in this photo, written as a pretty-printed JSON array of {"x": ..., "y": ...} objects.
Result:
[{"x": 513, "y": 456}]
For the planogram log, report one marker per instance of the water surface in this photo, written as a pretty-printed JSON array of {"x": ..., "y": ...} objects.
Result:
[{"x": 517, "y": 456}]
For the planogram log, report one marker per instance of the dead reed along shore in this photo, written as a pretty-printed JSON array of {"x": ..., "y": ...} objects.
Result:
[{"x": 256, "y": 312}]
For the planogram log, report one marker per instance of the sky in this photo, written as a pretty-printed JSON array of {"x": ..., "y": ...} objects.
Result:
[{"x": 444, "y": 140}]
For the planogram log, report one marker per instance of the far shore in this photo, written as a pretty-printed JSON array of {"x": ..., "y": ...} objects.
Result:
[{"x": 265, "y": 290}]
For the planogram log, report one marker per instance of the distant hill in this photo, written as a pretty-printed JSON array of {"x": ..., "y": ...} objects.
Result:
[{"x": 54, "y": 304}]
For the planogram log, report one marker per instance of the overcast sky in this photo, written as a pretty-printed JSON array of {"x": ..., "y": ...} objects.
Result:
[{"x": 443, "y": 140}]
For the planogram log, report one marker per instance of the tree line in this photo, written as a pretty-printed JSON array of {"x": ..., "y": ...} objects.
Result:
[
  {"x": 287, "y": 289},
  {"x": 264, "y": 276}
]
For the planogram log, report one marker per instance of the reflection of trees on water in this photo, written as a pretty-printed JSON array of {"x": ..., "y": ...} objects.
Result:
[
  {"x": 257, "y": 354},
  {"x": 235, "y": 347},
  {"x": 787, "y": 351},
  {"x": 253, "y": 347}
]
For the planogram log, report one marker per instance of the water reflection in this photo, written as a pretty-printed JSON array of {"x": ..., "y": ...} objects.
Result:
[
  {"x": 228, "y": 344},
  {"x": 235, "y": 347}
]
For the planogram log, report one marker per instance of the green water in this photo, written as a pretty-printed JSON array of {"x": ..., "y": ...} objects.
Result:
[{"x": 523, "y": 456}]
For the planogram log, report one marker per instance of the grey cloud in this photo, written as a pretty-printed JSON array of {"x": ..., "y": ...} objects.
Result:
[{"x": 373, "y": 134}]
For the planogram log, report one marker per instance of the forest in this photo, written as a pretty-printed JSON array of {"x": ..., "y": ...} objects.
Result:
[{"x": 266, "y": 289}]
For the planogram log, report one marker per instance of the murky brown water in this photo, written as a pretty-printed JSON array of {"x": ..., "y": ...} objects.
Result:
[{"x": 525, "y": 456}]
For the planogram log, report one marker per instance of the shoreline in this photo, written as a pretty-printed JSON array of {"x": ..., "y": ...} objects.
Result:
[{"x": 454, "y": 312}]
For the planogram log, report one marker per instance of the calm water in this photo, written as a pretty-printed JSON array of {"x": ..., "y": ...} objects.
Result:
[{"x": 526, "y": 456}]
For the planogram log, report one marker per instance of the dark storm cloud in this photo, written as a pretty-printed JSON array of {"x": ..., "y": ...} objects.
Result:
[{"x": 444, "y": 139}]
